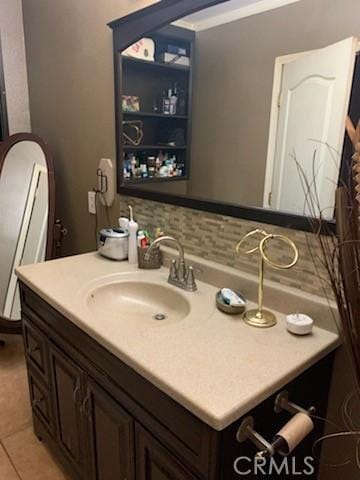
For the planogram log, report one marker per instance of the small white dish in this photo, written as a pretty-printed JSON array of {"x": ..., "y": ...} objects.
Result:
[{"x": 299, "y": 324}]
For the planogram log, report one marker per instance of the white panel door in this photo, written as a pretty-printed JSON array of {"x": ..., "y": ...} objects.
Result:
[{"x": 314, "y": 103}]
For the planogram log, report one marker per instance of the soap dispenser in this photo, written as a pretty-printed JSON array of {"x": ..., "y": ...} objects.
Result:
[{"x": 133, "y": 228}]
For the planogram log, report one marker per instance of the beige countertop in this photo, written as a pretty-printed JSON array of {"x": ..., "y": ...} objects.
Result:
[{"x": 214, "y": 365}]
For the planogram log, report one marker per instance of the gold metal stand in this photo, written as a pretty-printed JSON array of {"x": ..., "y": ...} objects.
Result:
[{"x": 259, "y": 317}]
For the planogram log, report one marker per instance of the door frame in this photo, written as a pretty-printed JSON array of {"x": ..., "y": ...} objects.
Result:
[
  {"x": 4, "y": 121},
  {"x": 280, "y": 62}
]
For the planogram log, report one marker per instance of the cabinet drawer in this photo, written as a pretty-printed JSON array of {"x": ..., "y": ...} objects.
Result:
[
  {"x": 41, "y": 401},
  {"x": 35, "y": 349}
]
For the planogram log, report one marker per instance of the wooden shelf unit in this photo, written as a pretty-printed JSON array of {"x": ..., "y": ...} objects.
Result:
[
  {"x": 143, "y": 148},
  {"x": 140, "y": 181},
  {"x": 148, "y": 81},
  {"x": 155, "y": 115},
  {"x": 155, "y": 65}
]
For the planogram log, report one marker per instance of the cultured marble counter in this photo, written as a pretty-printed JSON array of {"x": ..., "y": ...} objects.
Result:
[{"x": 214, "y": 365}]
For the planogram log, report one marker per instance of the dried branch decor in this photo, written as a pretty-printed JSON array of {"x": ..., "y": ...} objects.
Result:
[
  {"x": 340, "y": 252},
  {"x": 340, "y": 256}
]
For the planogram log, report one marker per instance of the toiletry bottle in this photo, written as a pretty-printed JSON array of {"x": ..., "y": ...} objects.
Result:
[
  {"x": 173, "y": 102},
  {"x": 133, "y": 228},
  {"x": 158, "y": 164},
  {"x": 166, "y": 102},
  {"x": 143, "y": 168},
  {"x": 133, "y": 166},
  {"x": 181, "y": 100},
  {"x": 151, "y": 161}
]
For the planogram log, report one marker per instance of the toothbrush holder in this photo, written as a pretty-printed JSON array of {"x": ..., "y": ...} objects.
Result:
[{"x": 155, "y": 260}]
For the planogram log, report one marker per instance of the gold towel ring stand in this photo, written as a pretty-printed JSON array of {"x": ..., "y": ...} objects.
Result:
[
  {"x": 279, "y": 266},
  {"x": 259, "y": 317},
  {"x": 248, "y": 235}
]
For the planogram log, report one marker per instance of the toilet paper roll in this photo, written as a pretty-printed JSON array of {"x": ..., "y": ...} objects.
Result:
[{"x": 294, "y": 432}]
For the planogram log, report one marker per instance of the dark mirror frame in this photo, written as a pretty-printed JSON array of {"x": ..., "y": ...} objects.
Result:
[
  {"x": 126, "y": 31},
  {"x": 15, "y": 326},
  {"x": 4, "y": 125}
]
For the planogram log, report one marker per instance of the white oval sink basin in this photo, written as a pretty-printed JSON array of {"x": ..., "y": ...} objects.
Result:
[{"x": 138, "y": 301}]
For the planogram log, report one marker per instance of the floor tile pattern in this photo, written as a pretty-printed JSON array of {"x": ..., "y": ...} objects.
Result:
[{"x": 22, "y": 455}]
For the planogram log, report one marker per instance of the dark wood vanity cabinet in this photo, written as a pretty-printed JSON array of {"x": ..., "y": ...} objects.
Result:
[{"x": 105, "y": 422}]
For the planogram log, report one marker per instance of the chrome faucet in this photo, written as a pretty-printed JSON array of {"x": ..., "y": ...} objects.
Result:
[{"x": 180, "y": 275}]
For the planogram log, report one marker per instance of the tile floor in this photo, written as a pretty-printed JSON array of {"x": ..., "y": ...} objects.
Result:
[{"x": 22, "y": 456}]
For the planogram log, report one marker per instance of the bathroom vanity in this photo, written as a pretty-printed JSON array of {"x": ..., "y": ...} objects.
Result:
[{"x": 118, "y": 395}]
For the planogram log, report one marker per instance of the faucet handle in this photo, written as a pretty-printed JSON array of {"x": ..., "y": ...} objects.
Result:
[
  {"x": 173, "y": 275},
  {"x": 190, "y": 280},
  {"x": 182, "y": 270}
]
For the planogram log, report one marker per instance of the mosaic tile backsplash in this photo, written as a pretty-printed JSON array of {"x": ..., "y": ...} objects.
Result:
[{"x": 214, "y": 237}]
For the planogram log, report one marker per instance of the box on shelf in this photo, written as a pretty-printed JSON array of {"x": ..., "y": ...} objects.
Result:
[
  {"x": 176, "y": 50},
  {"x": 175, "y": 59}
]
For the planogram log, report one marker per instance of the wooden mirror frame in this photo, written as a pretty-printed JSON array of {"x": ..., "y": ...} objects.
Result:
[
  {"x": 15, "y": 326},
  {"x": 126, "y": 31},
  {"x": 4, "y": 124}
]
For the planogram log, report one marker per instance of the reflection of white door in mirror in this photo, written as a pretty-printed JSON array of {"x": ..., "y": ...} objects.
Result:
[
  {"x": 310, "y": 116},
  {"x": 31, "y": 243}
]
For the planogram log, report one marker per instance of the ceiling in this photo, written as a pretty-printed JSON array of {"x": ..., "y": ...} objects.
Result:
[{"x": 228, "y": 12}]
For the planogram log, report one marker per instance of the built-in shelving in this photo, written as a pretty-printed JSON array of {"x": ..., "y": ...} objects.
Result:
[
  {"x": 149, "y": 81},
  {"x": 155, "y": 65},
  {"x": 155, "y": 115},
  {"x": 138, "y": 181},
  {"x": 131, "y": 148}
]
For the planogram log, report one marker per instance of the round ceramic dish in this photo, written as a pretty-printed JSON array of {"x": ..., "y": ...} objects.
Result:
[{"x": 224, "y": 307}]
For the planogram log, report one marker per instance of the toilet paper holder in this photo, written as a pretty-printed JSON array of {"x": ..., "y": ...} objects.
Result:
[
  {"x": 282, "y": 403},
  {"x": 288, "y": 437}
]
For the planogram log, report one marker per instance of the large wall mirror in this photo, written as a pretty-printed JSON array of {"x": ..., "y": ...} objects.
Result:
[{"x": 238, "y": 108}]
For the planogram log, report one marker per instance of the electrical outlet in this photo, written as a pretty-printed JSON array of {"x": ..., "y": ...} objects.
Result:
[{"x": 92, "y": 202}]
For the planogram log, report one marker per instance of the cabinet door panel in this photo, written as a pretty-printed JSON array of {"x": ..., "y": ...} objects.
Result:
[
  {"x": 155, "y": 462},
  {"x": 67, "y": 385},
  {"x": 111, "y": 436}
]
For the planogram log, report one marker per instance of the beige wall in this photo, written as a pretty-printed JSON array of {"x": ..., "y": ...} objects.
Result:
[
  {"x": 233, "y": 80},
  {"x": 15, "y": 72},
  {"x": 69, "y": 53}
]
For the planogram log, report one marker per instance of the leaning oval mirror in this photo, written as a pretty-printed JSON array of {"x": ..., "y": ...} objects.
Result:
[{"x": 26, "y": 216}]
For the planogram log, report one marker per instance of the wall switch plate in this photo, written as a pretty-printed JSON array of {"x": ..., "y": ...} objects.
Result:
[{"x": 92, "y": 202}]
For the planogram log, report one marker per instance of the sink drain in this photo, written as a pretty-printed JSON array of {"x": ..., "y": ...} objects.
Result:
[{"x": 159, "y": 316}]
